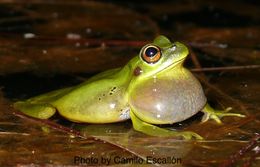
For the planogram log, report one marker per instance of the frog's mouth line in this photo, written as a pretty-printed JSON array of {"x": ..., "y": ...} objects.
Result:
[{"x": 170, "y": 66}]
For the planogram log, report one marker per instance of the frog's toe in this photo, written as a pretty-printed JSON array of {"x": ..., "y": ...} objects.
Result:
[
  {"x": 208, "y": 116},
  {"x": 225, "y": 113},
  {"x": 190, "y": 135},
  {"x": 232, "y": 114},
  {"x": 228, "y": 109}
]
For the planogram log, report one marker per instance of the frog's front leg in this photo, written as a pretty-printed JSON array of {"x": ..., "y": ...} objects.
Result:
[
  {"x": 153, "y": 130},
  {"x": 211, "y": 113}
]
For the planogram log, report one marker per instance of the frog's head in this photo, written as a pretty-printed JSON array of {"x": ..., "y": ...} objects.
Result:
[{"x": 159, "y": 56}]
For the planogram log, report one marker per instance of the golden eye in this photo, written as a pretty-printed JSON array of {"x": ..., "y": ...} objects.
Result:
[{"x": 151, "y": 54}]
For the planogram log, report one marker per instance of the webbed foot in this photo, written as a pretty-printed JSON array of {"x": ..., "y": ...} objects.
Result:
[{"x": 211, "y": 113}]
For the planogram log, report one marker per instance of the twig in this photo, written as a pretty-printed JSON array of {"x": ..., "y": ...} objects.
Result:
[
  {"x": 196, "y": 63},
  {"x": 205, "y": 44},
  {"x": 206, "y": 69},
  {"x": 194, "y": 59},
  {"x": 240, "y": 153},
  {"x": 92, "y": 42}
]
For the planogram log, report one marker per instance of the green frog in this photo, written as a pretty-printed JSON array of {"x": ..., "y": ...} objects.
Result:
[{"x": 152, "y": 89}]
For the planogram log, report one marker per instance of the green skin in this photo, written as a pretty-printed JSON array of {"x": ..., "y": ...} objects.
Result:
[{"x": 162, "y": 92}]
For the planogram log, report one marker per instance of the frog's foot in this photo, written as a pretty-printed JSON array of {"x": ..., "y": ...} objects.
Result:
[
  {"x": 187, "y": 135},
  {"x": 41, "y": 111},
  {"x": 210, "y": 113},
  {"x": 153, "y": 130}
]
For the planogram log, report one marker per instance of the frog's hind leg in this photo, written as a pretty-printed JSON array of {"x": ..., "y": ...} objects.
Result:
[
  {"x": 211, "y": 113},
  {"x": 41, "y": 106},
  {"x": 37, "y": 110},
  {"x": 153, "y": 130}
]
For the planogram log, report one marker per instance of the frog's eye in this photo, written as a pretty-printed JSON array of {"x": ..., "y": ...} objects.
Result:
[{"x": 151, "y": 54}]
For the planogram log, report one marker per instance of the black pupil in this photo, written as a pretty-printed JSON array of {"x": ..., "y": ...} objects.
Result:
[{"x": 151, "y": 51}]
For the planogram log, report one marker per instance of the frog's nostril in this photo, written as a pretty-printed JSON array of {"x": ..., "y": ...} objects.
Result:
[{"x": 173, "y": 47}]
